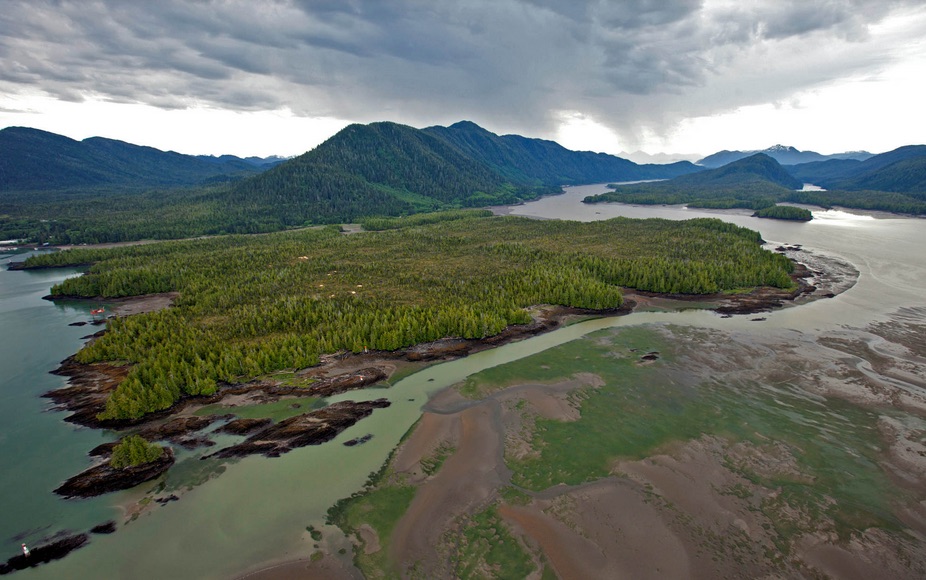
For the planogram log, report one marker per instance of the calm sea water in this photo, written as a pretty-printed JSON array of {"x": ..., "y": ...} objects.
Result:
[
  {"x": 37, "y": 450},
  {"x": 257, "y": 510}
]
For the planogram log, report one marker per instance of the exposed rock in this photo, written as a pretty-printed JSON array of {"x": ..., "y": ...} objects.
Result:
[
  {"x": 107, "y": 528},
  {"x": 90, "y": 387},
  {"x": 103, "y": 449},
  {"x": 193, "y": 442},
  {"x": 347, "y": 382},
  {"x": 243, "y": 426},
  {"x": 45, "y": 553},
  {"x": 176, "y": 429},
  {"x": 105, "y": 478},
  {"x": 309, "y": 429},
  {"x": 358, "y": 440}
]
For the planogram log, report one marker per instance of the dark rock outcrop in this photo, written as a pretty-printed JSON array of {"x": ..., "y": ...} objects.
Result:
[
  {"x": 45, "y": 553},
  {"x": 309, "y": 429},
  {"x": 106, "y": 528},
  {"x": 243, "y": 426},
  {"x": 328, "y": 387},
  {"x": 358, "y": 440},
  {"x": 104, "y": 478}
]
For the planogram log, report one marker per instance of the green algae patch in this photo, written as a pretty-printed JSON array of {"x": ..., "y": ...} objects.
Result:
[
  {"x": 371, "y": 518},
  {"x": 487, "y": 549}
]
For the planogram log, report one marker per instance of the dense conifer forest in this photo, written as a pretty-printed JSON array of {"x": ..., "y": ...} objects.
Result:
[
  {"x": 252, "y": 305},
  {"x": 785, "y": 212}
]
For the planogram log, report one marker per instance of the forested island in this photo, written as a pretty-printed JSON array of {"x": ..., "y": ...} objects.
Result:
[
  {"x": 251, "y": 305},
  {"x": 785, "y": 212}
]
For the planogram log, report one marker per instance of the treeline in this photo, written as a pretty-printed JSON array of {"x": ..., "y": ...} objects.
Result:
[
  {"x": 251, "y": 305},
  {"x": 384, "y": 223},
  {"x": 912, "y": 204}
]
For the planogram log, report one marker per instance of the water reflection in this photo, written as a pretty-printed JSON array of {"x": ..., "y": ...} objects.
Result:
[{"x": 838, "y": 217}]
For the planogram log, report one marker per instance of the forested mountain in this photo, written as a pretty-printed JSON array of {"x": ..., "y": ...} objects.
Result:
[
  {"x": 375, "y": 169},
  {"x": 34, "y": 160},
  {"x": 783, "y": 154},
  {"x": 460, "y": 165},
  {"x": 380, "y": 169},
  {"x": 541, "y": 162},
  {"x": 906, "y": 176},
  {"x": 755, "y": 182},
  {"x": 758, "y": 168},
  {"x": 819, "y": 172},
  {"x": 391, "y": 169},
  {"x": 902, "y": 170}
]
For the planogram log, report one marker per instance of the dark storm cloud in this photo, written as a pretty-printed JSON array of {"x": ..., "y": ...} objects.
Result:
[{"x": 507, "y": 63}]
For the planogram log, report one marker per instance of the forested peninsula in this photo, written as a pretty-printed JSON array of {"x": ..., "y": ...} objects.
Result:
[{"x": 251, "y": 305}]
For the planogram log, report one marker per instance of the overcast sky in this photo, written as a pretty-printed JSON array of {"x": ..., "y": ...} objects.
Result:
[{"x": 254, "y": 77}]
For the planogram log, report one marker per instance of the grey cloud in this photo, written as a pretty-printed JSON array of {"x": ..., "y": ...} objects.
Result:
[{"x": 510, "y": 64}]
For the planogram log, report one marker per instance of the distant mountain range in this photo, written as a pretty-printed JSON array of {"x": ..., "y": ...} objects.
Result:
[
  {"x": 34, "y": 160},
  {"x": 902, "y": 170},
  {"x": 261, "y": 162},
  {"x": 384, "y": 169},
  {"x": 783, "y": 154},
  {"x": 644, "y": 157}
]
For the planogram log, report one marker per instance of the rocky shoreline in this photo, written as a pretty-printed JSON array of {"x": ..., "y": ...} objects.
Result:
[
  {"x": 310, "y": 429},
  {"x": 105, "y": 478}
]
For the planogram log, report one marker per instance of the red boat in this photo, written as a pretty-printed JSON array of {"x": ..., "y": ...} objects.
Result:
[{"x": 96, "y": 311}]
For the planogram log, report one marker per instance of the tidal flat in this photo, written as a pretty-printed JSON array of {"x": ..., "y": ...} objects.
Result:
[{"x": 665, "y": 451}]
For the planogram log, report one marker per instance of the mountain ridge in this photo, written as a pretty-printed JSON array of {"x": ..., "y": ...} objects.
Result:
[
  {"x": 528, "y": 160},
  {"x": 901, "y": 170},
  {"x": 783, "y": 154},
  {"x": 37, "y": 160}
]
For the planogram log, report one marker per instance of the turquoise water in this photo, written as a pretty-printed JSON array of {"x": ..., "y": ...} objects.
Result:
[{"x": 38, "y": 450}]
